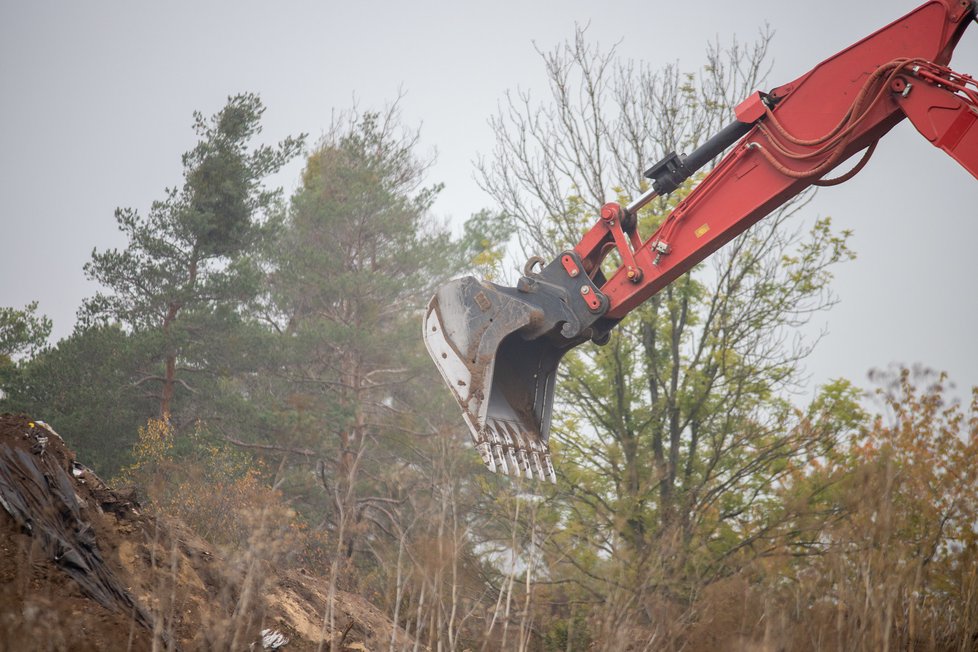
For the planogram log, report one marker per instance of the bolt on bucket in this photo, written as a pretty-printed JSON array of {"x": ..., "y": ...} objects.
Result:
[{"x": 498, "y": 349}]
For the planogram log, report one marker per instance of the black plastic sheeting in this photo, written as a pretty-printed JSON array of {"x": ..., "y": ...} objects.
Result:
[{"x": 37, "y": 491}]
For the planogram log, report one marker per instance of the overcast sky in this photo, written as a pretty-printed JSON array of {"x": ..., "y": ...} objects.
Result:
[{"x": 98, "y": 96}]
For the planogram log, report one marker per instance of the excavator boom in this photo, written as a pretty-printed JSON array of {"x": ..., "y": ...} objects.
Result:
[{"x": 498, "y": 348}]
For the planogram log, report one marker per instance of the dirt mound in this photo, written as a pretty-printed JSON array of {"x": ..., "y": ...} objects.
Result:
[{"x": 83, "y": 567}]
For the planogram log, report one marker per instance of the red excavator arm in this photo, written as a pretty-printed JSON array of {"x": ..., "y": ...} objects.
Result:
[{"x": 498, "y": 348}]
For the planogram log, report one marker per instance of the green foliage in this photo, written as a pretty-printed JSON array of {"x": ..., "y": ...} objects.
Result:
[
  {"x": 22, "y": 331},
  {"x": 483, "y": 243},
  {"x": 696, "y": 501},
  {"x": 193, "y": 263},
  {"x": 890, "y": 551},
  {"x": 223, "y": 493},
  {"x": 356, "y": 261},
  {"x": 88, "y": 387},
  {"x": 676, "y": 430},
  {"x": 673, "y": 437},
  {"x": 567, "y": 634},
  {"x": 152, "y": 448},
  {"x": 197, "y": 245}
]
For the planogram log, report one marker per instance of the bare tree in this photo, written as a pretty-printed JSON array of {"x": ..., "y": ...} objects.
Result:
[{"x": 555, "y": 163}]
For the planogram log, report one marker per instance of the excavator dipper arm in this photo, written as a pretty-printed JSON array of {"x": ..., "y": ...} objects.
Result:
[{"x": 498, "y": 348}]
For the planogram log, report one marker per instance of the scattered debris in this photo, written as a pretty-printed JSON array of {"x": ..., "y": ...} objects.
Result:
[{"x": 272, "y": 639}]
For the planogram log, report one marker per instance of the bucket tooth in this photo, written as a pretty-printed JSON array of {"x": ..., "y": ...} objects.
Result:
[
  {"x": 541, "y": 459},
  {"x": 498, "y": 450},
  {"x": 507, "y": 448},
  {"x": 537, "y": 457},
  {"x": 486, "y": 452},
  {"x": 522, "y": 449},
  {"x": 512, "y": 446},
  {"x": 548, "y": 468},
  {"x": 518, "y": 453}
]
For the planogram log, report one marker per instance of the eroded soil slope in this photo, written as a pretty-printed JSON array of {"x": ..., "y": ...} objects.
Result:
[{"x": 83, "y": 567}]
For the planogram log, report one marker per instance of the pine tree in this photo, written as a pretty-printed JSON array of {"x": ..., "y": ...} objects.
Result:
[{"x": 193, "y": 261}]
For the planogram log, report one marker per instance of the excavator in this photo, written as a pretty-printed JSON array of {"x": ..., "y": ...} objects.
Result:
[{"x": 498, "y": 348}]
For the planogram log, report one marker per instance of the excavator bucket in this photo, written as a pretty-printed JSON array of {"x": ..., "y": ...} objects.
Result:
[
  {"x": 498, "y": 349},
  {"x": 503, "y": 382}
]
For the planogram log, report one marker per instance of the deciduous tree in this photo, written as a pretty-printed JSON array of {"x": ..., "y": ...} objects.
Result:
[{"x": 671, "y": 437}]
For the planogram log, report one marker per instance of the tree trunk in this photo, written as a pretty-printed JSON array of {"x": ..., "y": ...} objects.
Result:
[
  {"x": 169, "y": 362},
  {"x": 170, "y": 355}
]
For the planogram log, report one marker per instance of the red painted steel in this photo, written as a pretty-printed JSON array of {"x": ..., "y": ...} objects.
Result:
[
  {"x": 839, "y": 108},
  {"x": 943, "y": 106}
]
